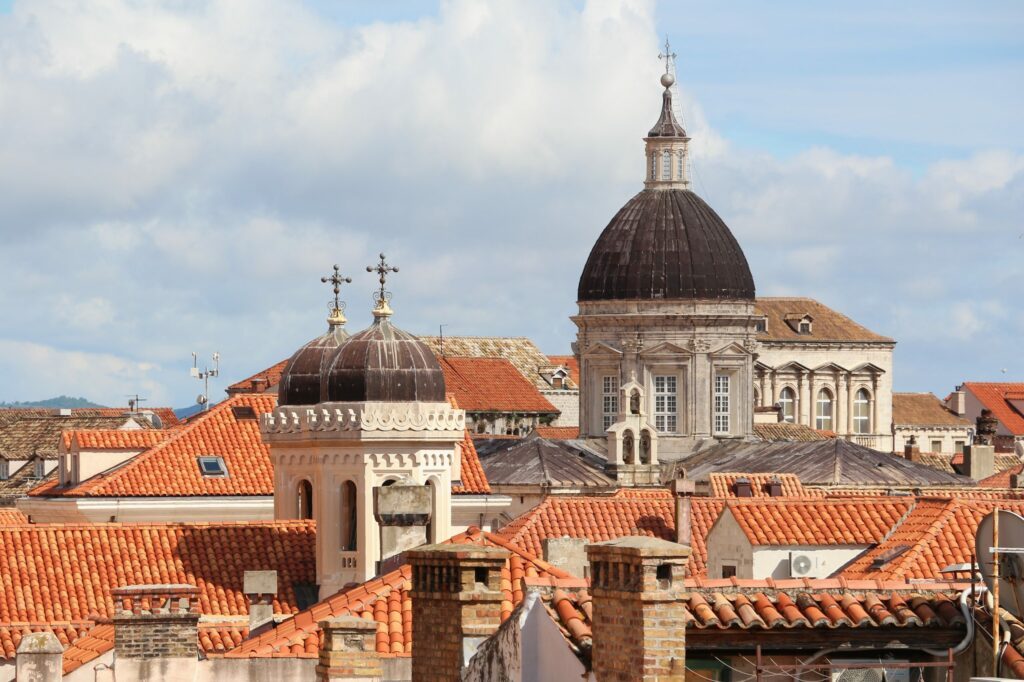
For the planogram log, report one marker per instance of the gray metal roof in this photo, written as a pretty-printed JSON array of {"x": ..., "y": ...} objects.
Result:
[
  {"x": 827, "y": 462},
  {"x": 542, "y": 462}
]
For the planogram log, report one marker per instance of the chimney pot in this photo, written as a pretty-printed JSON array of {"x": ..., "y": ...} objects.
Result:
[
  {"x": 911, "y": 450},
  {"x": 260, "y": 588},
  {"x": 349, "y": 650},
  {"x": 743, "y": 488},
  {"x": 156, "y": 622}
]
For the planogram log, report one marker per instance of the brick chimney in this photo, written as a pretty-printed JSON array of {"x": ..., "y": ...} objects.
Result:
[
  {"x": 637, "y": 585},
  {"x": 456, "y": 604},
  {"x": 568, "y": 554},
  {"x": 683, "y": 490},
  {"x": 155, "y": 632},
  {"x": 911, "y": 450},
  {"x": 260, "y": 589},
  {"x": 349, "y": 651},
  {"x": 40, "y": 658}
]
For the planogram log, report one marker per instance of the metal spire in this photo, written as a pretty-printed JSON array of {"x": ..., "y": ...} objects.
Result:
[
  {"x": 338, "y": 306},
  {"x": 382, "y": 269},
  {"x": 669, "y": 56}
]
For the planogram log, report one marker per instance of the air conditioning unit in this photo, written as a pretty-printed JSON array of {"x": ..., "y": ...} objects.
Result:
[
  {"x": 801, "y": 565},
  {"x": 877, "y": 673}
]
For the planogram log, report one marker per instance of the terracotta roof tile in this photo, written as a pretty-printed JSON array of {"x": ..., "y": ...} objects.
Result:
[
  {"x": 520, "y": 351},
  {"x": 115, "y": 439},
  {"x": 996, "y": 397},
  {"x": 828, "y": 324},
  {"x": 170, "y": 468},
  {"x": 474, "y": 480},
  {"x": 570, "y": 363},
  {"x": 9, "y": 516},
  {"x": 492, "y": 385},
  {"x": 724, "y": 485},
  {"x": 260, "y": 382},
  {"x": 59, "y": 576},
  {"x": 1004, "y": 478},
  {"x": 923, "y": 409},
  {"x": 762, "y": 605},
  {"x": 818, "y": 522},
  {"x": 787, "y": 431},
  {"x": 88, "y": 647},
  {"x": 386, "y": 600},
  {"x": 558, "y": 432}
]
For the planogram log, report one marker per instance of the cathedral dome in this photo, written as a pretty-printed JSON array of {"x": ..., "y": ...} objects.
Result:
[
  {"x": 300, "y": 381},
  {"x": 666, "y": 244},
  {"x": 383, "y": 363}
]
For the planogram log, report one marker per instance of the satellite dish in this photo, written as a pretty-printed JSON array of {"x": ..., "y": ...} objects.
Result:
[
  {"x": 201, "y": 399},
  {"x": 1011, "y": 559}
]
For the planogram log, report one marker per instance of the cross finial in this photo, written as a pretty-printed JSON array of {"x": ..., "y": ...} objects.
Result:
[
  {"x": 337, "y": 306},
  {"x": 382, "y": 269},
  {"x": 668, "y": 55}
]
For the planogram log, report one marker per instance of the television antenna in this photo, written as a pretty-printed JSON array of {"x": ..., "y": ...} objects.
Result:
[
  {"x": 999, "y": 546},
  {"x": 134, "y": 402},
  {"x": 204, "y": 376}
]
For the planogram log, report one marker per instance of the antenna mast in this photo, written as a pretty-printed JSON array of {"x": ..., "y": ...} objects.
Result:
[{"x": 204, "y": 376}]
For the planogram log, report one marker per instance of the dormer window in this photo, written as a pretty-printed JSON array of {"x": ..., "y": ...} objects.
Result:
[
  {"x": 212, "y": 467},
  {"x": 761, "y": 325},
  {"x": 5, "y": 471},
  {"x": 805, "y": 326},
  {"x": 556, "y": 381},
  {"x": 39, "y": 469},
  {"x": 800, "y": 323}
]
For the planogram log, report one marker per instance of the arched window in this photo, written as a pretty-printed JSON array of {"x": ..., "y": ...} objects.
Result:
[
  {"x": 823, "y": 414},
  {"x": 349, "y": 517},
  {"x": 787, "y": 401},
  {"x": 654, "y": 167},
  {"x": 679, "y": 173},
  {"x": 627, "y": 447},
  {"x": 862, "y": 412},
  {"x": 666, "y": 165},
  {"x": 305, "y": 499},
  {"x": 757, "y": 397}
]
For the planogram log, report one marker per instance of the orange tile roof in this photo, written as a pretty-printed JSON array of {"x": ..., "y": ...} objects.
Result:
[
  {"x": 558, "y": 432},
  {"x": 474, "y": 480},
  {"x": 722, "y": 606},
  {"x": 59, "y": 576},
  {"x": 923, "y": 409},
  {"x": 1002, "y": 479},
  {"x": 995, "y": 397},
  {"x": 492, "y": 385},
  {"x": 9, "y": 516},
  {"x": 827, "y": 325},
  {"x": 724, "y": 484},
  {"x": 115, "y": 439},
  {"x": 170, "y": 469},
  {"x": 860, "y": 521},
  {"x": 627, "y": 512},
  {"x": 570, "y": 363},
  {"x": 11, "y": 634},
  {"x": 937, "y": 533},
  {"x": 386, "y": 600},
  {"x": 267, "y": 378}
]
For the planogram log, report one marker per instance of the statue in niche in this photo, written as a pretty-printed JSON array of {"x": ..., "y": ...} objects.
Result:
[
  {"x": 645, "y": 447},
  {"x": 634, "y": 402},
  {"x": 627, "y": 447}
]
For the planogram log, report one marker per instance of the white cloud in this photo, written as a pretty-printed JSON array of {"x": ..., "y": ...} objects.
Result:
[{"x": 182, "y": 175}]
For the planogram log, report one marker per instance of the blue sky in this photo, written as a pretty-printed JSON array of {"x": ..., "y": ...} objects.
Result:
[{"x": 178, "y": 175}]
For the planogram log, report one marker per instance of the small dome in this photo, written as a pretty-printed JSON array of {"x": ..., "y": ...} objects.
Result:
[
  {"x": 300, "y": 382},
  {"x": 383, "y": 363},
  {"x": 666, "y": 244}
]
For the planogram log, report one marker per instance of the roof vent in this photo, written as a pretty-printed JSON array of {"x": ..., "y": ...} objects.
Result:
[{"x": 742, "y": 487}]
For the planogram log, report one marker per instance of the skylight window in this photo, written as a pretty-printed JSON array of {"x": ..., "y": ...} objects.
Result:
[
  {"x": 243, "y": 412},
  {"x": 212, "y": 467}
]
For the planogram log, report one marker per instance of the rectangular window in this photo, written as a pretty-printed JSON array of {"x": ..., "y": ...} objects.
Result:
[
  {"x": 212, "y": 467},
  {"x": 666, "y": 166},
  {"x": 958, "y": 447},
  {"x": 722, "y": 403},
  {"x": 680, "y": 174},
  {"x": 936, "y": 446},
  {"x": 665, "y": 409},
  {"x": 609, "y": 401},
  {"x": 5, "y": 471},
  {"x": 728, "y": 571}
]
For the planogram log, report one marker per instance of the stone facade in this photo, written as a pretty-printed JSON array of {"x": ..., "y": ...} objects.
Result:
[
  {"x": 637, "y": 585},
  {"x": 456, "y": 596},
  {"x": 676, "y": 348},
  {"x": 842, "y": 370},
  {"x": 328, "y": 458}
]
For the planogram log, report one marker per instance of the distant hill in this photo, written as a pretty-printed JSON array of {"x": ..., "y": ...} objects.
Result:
[
  {"x": 60, "y": 401},
  {"x": 186, "y": 412}
]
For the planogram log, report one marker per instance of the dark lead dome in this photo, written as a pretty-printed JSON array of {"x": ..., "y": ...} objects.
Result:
[
  {"x": 383, "y": 363},
  {"x": 666, "y": 244},
  {"x": 300, "y": 382}
]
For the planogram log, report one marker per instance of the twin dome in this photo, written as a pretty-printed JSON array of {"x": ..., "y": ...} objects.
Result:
[{"x": 380, "y": 363}]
